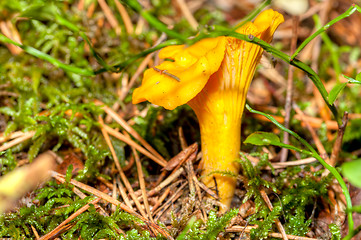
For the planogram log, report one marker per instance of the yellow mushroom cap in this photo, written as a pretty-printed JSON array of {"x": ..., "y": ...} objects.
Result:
[
  {"x": 193, "y": 66},
  {"x": 267, "y": 22},
  {"x": 174, "y": 83}
]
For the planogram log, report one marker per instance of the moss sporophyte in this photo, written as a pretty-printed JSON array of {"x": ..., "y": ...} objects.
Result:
[{"x": 212, "y": 77}]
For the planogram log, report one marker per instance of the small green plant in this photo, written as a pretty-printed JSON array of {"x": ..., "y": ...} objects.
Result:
[{"x": 196, "y": 230}]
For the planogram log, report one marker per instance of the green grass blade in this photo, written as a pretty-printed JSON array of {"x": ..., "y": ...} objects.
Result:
[
  {"x": 36, "y": 53},
  {"x": 62, "y": 21},
  {"x": 348, "y": 12},
  {"x": 253, "y": 14},
  {"x": 154, "y": 21}
]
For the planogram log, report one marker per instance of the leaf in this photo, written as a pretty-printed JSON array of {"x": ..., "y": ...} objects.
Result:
[
  {"x": 351, "y": 80},
  {"x": 356, "y": 209},
  {"x": 352, "y": 171},
  {"x": 266, "y": 138},
  {"x": 335, "y": 91},
  {"x": 262, "y": 138}
]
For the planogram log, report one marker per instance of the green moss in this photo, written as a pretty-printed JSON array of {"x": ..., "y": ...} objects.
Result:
[
  {"x": 7, "y": 162},
  {"x": 197, "y": 230},
  {"x": 292, "y": 196},
  {"x": 335, "y": 231}
]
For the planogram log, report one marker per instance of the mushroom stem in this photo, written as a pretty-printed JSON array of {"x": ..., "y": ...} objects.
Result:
[
  {"x": 219, "y": 107},
  {"x": 220, "y": 148}
]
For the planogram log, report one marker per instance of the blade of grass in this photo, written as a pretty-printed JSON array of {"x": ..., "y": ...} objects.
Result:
[
  {"x": 252, "y": 15},
  {"x": 154, "y": 21},
  {"x": 121, "y": 66},
  {"x": 331, "y": 47},
  {"x": 346, "y": 14},
  {"x": 62, "y": 21},
  {"x": 36, "y": 53}
]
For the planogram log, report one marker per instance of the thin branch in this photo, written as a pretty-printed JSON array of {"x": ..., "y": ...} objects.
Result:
[
  {"x": 288, "y": 104},
  {"x": 337, "y": 145}
]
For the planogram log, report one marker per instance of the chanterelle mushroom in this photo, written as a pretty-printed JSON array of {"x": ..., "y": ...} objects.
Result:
[{"x": 212, "y": 77}]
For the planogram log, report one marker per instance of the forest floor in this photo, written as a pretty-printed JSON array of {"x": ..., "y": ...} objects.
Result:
[{"x": 80, "y": 161}]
